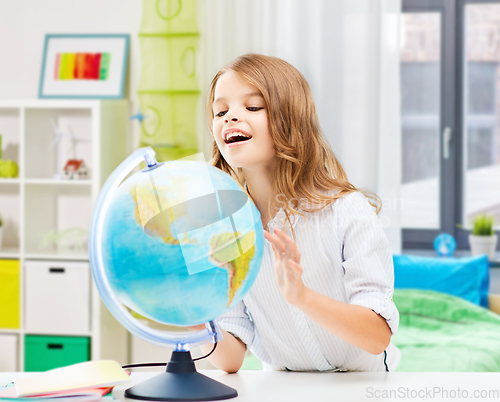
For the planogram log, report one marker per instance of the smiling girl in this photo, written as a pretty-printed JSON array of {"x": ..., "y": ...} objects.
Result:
[{"x": 322, "y": 300}]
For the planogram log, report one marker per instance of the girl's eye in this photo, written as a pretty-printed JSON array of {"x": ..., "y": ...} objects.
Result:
[
  {"x": 254, "y": 108},
  {"x": 220, "y": 114}
]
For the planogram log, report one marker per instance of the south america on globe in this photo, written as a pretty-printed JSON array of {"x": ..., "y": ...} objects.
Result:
[{"x": 238, "y": 268}]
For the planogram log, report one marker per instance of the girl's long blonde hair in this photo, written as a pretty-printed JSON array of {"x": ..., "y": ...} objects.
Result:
[{"x": 307, "y": 167}]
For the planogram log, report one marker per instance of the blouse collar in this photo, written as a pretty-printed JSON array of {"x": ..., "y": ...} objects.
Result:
[{"x": 279, "y": 220}]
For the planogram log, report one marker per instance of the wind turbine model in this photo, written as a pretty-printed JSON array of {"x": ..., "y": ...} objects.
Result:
[{"x": 57, "y": 141}]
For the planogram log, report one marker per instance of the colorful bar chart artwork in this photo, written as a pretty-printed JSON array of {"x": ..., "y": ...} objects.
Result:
[{"x": 82, "y": 66}]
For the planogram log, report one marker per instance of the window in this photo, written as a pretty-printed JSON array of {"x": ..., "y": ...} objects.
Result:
[
  {"x": 450, "y": 116},
  {"x": 420, "y": 118}
]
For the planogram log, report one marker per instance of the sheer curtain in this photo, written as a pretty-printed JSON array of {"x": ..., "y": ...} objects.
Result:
[{"x": 348, "y": 50}]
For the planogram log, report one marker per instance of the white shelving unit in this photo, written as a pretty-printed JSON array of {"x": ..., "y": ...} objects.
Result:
[{"x": 36, "y": 206}]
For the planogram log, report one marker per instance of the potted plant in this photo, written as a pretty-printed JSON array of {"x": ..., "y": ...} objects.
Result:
[{"x": 483, "y": 239}]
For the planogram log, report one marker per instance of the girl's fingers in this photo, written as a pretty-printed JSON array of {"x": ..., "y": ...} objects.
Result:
[
  {"x": 276, "y": 242},
  {"x": 297, "y": 267},
  {"x": 290, "y": 245},
  {"x": 271, "y": 240},
  {"x": 275, "y": 252}
]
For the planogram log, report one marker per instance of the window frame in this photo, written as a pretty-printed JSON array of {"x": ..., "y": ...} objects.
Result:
[
  {"x": 451, "y": 172},
  {"x": 448, "y": 180}
]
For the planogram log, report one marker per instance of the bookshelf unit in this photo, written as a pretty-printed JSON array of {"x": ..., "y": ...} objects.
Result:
[{"x": 47, "y": 218}]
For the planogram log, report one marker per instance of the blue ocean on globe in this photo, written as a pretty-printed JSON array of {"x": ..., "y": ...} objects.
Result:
[{"x": 182, "y": 243}]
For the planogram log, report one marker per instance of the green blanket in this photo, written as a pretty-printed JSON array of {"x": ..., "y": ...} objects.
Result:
[{"x": 439, "y": 332}]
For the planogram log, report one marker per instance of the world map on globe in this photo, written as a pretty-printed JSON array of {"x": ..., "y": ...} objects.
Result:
[{"x": 182, "y": 243}]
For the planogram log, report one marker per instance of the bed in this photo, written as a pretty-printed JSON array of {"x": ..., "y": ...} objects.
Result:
[
  {"x": 445, "y": 324},
  {"x": 441, "y": 332}
]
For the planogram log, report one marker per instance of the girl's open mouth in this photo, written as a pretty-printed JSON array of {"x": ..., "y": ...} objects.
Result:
[
  {"x": 238, "y": 143},
  {"x": 236, "y": 137}
]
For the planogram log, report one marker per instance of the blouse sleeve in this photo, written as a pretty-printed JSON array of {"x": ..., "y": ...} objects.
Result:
[
  {"x": 237, "y": 322},
  {"x": 367, "y": 259}
]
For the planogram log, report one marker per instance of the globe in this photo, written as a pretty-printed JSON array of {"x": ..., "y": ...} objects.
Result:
[
  {"x": 182, "y": 242},
  {"x": 179, "y": 243},
  {"x": 445, "y": 245}
]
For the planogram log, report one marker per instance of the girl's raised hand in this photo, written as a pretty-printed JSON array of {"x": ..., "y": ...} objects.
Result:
[{"x": 286, "y": 266}]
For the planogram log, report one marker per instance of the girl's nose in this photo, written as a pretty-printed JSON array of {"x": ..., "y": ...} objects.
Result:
[{"x": 235, "y": 119}]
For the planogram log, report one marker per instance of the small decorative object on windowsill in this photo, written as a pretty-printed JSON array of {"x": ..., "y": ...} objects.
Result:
[
  {"x": 445, "y": 245},
  {"x": 483, "y": 239}
]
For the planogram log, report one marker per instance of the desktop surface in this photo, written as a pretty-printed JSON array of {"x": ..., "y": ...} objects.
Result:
[{"x": 277, "y": 386}]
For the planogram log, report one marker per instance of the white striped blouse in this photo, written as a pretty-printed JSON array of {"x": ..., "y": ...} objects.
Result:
[{"x": 346, "y": 256}]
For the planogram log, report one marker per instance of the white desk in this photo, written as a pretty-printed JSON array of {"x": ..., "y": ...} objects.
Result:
[{"x": 264, "y": 386}]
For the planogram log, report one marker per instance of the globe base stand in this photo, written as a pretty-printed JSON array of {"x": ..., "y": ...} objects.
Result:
[{"x": 180, "y": 382}]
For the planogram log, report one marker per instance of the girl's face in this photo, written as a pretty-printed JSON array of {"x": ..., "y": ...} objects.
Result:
[{"x": 240, "y": 126}]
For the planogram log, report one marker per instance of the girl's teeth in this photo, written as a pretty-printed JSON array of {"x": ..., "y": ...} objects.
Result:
[{"x": 236, "y": 134}]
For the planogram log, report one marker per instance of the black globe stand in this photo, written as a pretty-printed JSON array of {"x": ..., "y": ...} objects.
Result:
[{"x": 180, "y": 382}]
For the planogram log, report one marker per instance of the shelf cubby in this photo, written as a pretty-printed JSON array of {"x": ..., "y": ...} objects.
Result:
[
  {"x": 73, "y": 138},
  {"x": 10, "y": 210},
  {"x": 10, "y": 130},
  {"x": 63, "y": 227}
]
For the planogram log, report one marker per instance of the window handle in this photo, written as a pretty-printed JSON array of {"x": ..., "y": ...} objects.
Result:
[{"x": 447, "y": 136}]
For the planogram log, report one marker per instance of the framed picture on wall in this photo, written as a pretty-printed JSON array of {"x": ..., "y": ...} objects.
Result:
[{"x": 84, "y": 66}]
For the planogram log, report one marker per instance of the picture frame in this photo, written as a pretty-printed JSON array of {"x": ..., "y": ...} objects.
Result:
[{"x": 84, "y": 66}]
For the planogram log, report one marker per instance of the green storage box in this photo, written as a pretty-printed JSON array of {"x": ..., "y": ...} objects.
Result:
[{"x": 42, "y": 353}]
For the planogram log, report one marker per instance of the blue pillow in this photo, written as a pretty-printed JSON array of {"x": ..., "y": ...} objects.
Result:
[{"x": 467, "y": 278}]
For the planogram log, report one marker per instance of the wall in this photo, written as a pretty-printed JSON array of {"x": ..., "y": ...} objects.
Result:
[{"x": 24, "y": 23}]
